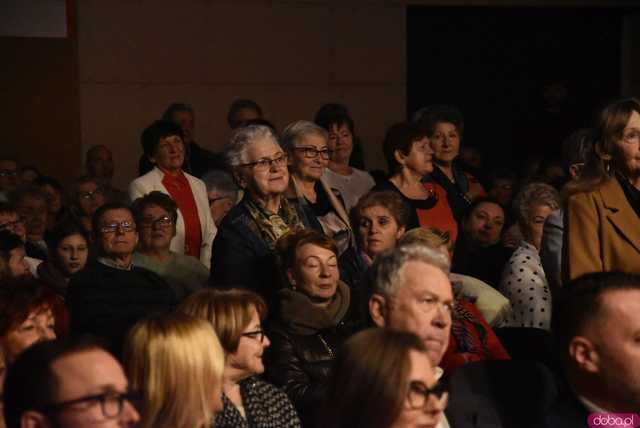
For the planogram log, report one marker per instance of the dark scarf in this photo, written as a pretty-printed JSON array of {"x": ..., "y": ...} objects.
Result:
[{"x": 302, "y": 317}]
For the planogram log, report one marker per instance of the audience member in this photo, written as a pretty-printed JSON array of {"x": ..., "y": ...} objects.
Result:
[
  {"x": 237, "y": 316},
  {"x": 602, "y": 227},
  {"x": 479, "y": 252},
  {"x": 68, "y": 246},
  {"x": 176, "y": 361},
  {"x": 381, "y": 218},
  {"x": 390, "y": 371},
  {"x": 99, "y": 165},
  {"x": 444, "y": 126},
  {"x": 29, "y": 313},
  {"x": 244, "y": 248},
  {"x": 197, "y": 160},
  {"x": 308, "y": 153},
  {"x": 222, "y": 192},
  {"x": 327, "y": 115},
  {"x": 29, "y": 174},
  {"x": 68, "y": 384},
  {"x": 195, "y": 230},
  {"x": 503, "y": 185},
  {"x": 54, "y": 192},
  {"x": 9, "y": 177},
  {"x": 241, "y": 111},
  {"x": 409, "y": 156},
  {"x": 575, "y": 151},
  {"x": 87, "y": 196},
  {"x": 317, "y": 313},
  {"x": 11, "y": 222},
  {"x": 31, "y": 205},
  {"x": 523, "y": 279},
  {"x": 595, "y": 320},
  {"x": 13, "y": 255},
  {"x": 111, "y": 294},
  {"x": 351, "y": 182},
  {"x": 156, "y": 214}
]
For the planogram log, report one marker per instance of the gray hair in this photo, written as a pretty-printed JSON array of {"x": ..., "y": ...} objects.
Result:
[
  {"x": 241, "y": 139},
  {"x": 532, "y": 195},
  {"x": 387, "y": 274},
  {"x": 298, "y": 131},
  {"x": 221, "y": 182}
]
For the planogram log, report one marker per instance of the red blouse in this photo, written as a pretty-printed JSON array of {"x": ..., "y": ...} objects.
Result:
[{"x": 180, "y": 191}]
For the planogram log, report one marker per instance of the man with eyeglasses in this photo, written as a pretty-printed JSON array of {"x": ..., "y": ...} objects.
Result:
[
  {"x": 9, "y": 177},
  {"x": 111, "y": 294},
  {"x": 411, "y": 292},
  {"x": 31, "y": 205},
  {"x": 12, "y": 222},
  {"x": 68, "y": 384}
]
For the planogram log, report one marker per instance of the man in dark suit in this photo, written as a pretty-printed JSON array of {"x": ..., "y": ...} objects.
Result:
[{"x": 597, "y": 327}]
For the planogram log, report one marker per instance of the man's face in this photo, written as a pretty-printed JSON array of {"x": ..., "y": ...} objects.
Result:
[
  {"x": 88, "y": 373},
  {"x": 14, "y": 224},
  {"x": 100, "y": 164},
  {"x": 484, "y": 224},
  {"x": 186, "y": 122},
  {"x": 34, "y": 212},
  {"x": 616, "y": 337},
  {"x": 422, "y": 305},
  {"x": 120, "y": 240},
  {"x": 9, "y": 175}
]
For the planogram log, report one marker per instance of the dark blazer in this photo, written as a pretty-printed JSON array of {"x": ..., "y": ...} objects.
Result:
[
  {"x": 566, "y": 412},
  {"x": 602, "y": 232},
  {"x": 500, "y": 394}
]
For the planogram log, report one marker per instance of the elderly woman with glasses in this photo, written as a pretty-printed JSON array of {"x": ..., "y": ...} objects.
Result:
[
  {"x": 249, "y": 401},
  {"x": 163, "y": 145},
  {"x": 156, "y": 215},
  {"x": 307, "y": 146},
  {"x": 243, "y": 252}
]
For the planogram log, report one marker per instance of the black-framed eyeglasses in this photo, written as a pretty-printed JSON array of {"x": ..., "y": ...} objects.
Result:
[
  {"x": 160, "y": 222},
  {"x": 312, "y": 152},
  {"x": 8, "y": 173},
  {"x": 419, "y": 393},
  {"x": 124, "y": 226},
  {"x": 111, "y": 403},
  {"x": 219, "y": 198},
  {"x": 91, "y": 195},
  {"x": 11, "y": 224},
  {"x": 258, "y": 335},
  {"x": 266, "y": 164}
]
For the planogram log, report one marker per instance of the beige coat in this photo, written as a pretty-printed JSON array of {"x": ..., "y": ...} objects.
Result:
[{"x": 602, "y": 232}]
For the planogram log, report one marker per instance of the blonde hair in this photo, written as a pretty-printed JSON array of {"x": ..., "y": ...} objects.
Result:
[
  {"x": 229, "y": 311},
  {"x": 177, "y": 362},
  {"x": 429, "y": 236}
]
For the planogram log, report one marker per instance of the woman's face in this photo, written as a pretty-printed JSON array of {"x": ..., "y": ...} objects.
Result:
[
  {"x": 315, "y": 273},
  {"x": 267, "y": 175},
  {"x": 309, "y": 158},
  {"x": 72, "y": 253},
  {"x": 420, "y": 158},
  {"x": 53, "y": 197},
  {"x": 626, "y": 156},
  {"x": 340, "y": 142},
  {"x": 169, "y": 154},
  {"x": 378, "y": 230},
  {"x": 90, "y": 197},
  {"x": 445, "y": 142},
  {"x": 248, "y": 357},
  {"x": 157, "y": 228},
  {"x": 420, "y": 410},
  {"x": 38, "y": 327},
  {"x": 535, "y": 223},
  {"x": 17, "y": 264}
]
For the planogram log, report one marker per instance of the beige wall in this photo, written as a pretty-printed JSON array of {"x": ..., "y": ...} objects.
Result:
[{"x": 290, "y": 56}]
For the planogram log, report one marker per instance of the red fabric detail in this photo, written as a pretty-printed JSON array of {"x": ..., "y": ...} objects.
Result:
[
  {"x": 440, "y": 216},
  {"x": 180, "y": 191},
  {"x": 466, "y": 342}
]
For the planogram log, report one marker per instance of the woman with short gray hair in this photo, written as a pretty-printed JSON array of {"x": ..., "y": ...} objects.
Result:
[
  {"x": 244, "y": 247},
  {"x": 307, "y": 146},
  {"x": 523, "y": 279}
]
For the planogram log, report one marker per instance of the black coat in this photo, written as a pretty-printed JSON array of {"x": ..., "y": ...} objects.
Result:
[{"x": 106, "y": 302}]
